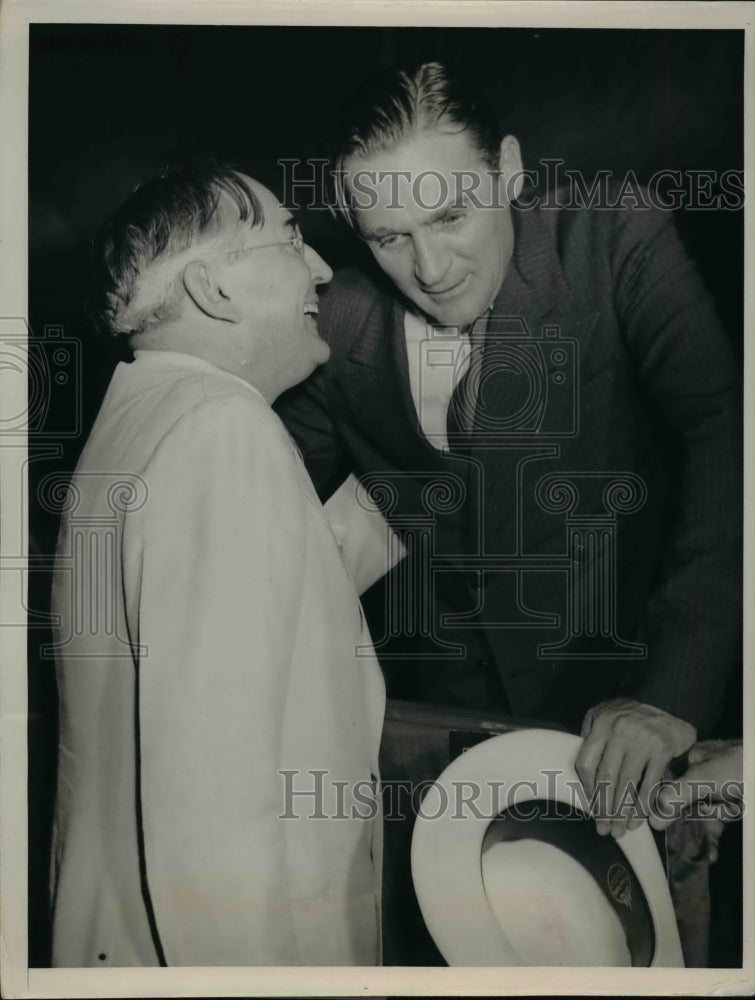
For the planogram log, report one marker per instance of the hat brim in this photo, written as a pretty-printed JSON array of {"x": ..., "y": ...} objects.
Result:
[{"x": 447, "y": 846}]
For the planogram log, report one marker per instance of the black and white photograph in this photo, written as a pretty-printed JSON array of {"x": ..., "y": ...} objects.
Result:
[{"x": 375, "y": 491}]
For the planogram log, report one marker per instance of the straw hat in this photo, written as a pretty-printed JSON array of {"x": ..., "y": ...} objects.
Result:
[{"x": 509, "y": 870}]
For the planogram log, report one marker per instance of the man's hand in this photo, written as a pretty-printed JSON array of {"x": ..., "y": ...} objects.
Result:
[
  {"x": 627, "y": 747},
  {"x": 712, "y": 785}
]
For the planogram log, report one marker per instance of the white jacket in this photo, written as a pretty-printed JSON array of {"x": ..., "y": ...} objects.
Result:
[{"x": 211, "y": 655}]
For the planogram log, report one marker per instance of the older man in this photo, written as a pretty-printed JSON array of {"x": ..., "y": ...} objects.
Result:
[
  {"x": 569, "y": 480},
  {"x": 220, "y": 707}
]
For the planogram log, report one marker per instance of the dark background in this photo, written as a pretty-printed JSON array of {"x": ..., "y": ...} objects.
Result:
[{"x": 111, "y": 105}]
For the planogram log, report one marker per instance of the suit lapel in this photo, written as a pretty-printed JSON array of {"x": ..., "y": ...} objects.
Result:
[
  {"x": 518, "y": 362},
  {"x": 530, "y": 378},
  {"x": 376, "y": 384},
  {"x": 535, "y": 283}
]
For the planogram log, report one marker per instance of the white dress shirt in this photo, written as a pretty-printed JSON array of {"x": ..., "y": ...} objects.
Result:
[{"x": 438, "y": 358}]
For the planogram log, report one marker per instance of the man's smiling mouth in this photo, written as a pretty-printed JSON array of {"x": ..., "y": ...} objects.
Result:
[{"x": 448, "y": 293}]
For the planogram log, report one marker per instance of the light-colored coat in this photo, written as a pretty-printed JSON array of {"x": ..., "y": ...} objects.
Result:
[{"x": 211, "y": 656}]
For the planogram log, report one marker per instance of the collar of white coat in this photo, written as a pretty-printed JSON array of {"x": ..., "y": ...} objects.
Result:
[{"x": 175, "y": 359}]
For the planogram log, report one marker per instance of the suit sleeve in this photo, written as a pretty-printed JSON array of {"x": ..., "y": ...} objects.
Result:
[
  {"x": 687, "y": 370},
  {"x": 221, "y": 587}
]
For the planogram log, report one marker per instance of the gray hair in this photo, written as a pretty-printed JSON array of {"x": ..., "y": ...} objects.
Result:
[{"x": 138, "y": 254}]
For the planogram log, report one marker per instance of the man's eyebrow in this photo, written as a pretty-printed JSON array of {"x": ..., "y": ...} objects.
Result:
[
  {"x": 441, "y": 213},
  {"x": 376, "y": 234},
  {"x": 447, "y": 209}
]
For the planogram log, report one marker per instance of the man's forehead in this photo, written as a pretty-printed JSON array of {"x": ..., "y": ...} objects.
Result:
[
  {"x": 420, "y": 178},
  {"x": 275, "y": 216},
  {"x": 442, "y": 151},
  {"x": 387, "y": 216}
]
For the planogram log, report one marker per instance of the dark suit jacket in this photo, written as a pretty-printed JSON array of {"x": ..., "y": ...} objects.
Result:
[{"x": 601, "y": 487}]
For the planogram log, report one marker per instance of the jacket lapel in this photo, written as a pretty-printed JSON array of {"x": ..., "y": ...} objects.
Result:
[
  {"x": 529, "y": 398},
  {"x": 375, "y": 383},
  {"x": 535, "y": 283}
]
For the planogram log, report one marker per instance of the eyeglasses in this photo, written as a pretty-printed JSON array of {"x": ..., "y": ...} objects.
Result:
[{"x": 296, "y": 241}]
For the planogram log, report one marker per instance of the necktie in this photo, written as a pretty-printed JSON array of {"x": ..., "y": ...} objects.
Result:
[{"x": 461, "y": 409}]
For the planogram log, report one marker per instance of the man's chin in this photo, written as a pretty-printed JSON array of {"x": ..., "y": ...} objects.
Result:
[
  {"x": 319, "y": 349},
  {"x": 461, "y": 314},
  {"x": 309, "y": 364},
  {"x": 323, "y": 351}
]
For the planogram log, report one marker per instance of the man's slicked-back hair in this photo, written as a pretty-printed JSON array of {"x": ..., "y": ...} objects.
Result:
[
  {"x": 138, "y": 255},
  {"x": 406, "y": 104}
]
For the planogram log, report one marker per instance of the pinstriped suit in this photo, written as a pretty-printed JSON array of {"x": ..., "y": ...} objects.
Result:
[{"x": 655, "y": 395}]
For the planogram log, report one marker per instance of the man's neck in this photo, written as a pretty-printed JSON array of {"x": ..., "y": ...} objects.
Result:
[{"x": 207, "y": 345}]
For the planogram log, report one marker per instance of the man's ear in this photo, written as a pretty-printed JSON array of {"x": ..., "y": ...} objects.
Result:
[
  {"x": 207, "y": 292},
  {"x": 510, "y": 165}
]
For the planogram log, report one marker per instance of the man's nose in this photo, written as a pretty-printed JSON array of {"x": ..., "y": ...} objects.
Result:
[
  {"x": 431, "y": 261},
  {"x": 321, "y": 273}
]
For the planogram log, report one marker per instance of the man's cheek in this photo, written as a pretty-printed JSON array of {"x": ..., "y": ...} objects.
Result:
[
  {"x": 407, "y": 285},
  {"x": 400, "y": 276}
]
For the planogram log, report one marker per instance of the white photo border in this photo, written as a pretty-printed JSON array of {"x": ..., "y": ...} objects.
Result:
[{"x": 17, "y": 979}]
